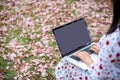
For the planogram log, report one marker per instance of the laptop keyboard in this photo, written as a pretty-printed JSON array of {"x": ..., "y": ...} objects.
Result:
[
  {"x": 89, "y": 51},
  {"x": 77, "y": 58}
]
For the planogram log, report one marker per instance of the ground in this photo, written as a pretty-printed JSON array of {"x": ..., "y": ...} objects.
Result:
[{"x": 28, "y": 49}]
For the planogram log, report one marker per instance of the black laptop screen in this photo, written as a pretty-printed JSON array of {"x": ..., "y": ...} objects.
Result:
[{"x": 72, "y": 36}]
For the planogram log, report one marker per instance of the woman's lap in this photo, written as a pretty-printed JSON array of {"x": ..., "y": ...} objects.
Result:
[{"x": 68, "y": 71}]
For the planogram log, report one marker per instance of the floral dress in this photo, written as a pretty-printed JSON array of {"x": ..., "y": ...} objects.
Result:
[{"x": 106, "y": 66}]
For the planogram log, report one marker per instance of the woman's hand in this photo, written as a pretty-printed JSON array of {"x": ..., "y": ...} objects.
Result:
[
  {"x": 85, "y": 57},
  {"x": 95, "y": 48}
]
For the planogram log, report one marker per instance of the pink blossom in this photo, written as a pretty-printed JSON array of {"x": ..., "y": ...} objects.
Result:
[
  {"x": 20, "y": 55},
  {"x": 45, "y": 66},
  {"x": 40, "y": 50},
  {"x": 45, "y": 40},
  {"x": 44, "y": 73},
  {"x": 11, "y": 56},
  {"x": 36, "y": 61}
]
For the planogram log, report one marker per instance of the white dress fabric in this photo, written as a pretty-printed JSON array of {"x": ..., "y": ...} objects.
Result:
[{"x": 106, "y": 66}]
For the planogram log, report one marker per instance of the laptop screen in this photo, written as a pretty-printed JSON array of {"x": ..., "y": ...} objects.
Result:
[{"x": 72, "y": 36}]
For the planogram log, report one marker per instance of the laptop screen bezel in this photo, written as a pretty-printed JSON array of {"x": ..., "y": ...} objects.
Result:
[{"x": 70, "y": 52}]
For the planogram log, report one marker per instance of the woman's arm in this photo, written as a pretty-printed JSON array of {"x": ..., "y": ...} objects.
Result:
[{"x": 105, "y": 65}]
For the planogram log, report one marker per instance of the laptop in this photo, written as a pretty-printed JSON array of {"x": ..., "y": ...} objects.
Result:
[{"x": 72, "y": 38}]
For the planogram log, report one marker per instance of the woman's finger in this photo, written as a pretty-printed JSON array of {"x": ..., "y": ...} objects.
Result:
[{"x": 95, "y": 49}]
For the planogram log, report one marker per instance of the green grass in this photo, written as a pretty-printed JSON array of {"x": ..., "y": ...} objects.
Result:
[
  {"x": 6, "y": 51},
  {"x": 37, "y": 40},
  {"x": 28, "y": 59},
  {"x": 8, "y": 73},
  {"x": 3, "y": 63},
  {"x": 25, "y": 15},
  {"x": 1, "y": 7},
  {"x": 9, "y": 38},
  {"x": 33, "y": 15},
  {"x": 24, "y": 41},
  {"x": 16, "y": 33},
  {"x": 99, "y": 36},
  {"x": 13, "y": 34},
  {"x": 13, "y": 12},
  {"x": 50, "y": 33},
  {"x": 74, "y": 12},
  {"x": 1, "y": 16},
  {"x": 52, "y": 44},
  {"x": 68, "y": 2},
  {"x": 37, "y": 26},
  {"x": 32, "y": 69},
  {"x": 50, "y": 71}
]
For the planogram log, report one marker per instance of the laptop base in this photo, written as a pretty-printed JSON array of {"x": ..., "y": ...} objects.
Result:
[{"x": 79, "y": 63}]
